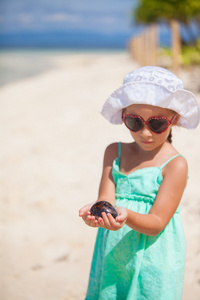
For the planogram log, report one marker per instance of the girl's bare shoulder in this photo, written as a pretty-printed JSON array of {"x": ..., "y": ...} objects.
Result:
[
  {"x": 111, "y": 152},
  {"x": 128, "y": 148},
  {"x": 177, "y": 166}
]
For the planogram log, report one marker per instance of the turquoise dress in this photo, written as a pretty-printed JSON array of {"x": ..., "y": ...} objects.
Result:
[{"x": 128, "y": 265}]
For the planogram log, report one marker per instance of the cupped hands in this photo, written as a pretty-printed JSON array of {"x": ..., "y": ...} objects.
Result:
[{"x": 106, "y": 221}]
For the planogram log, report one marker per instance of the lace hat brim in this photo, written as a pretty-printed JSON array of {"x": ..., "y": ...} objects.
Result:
[{"x": 181, "y": 101}]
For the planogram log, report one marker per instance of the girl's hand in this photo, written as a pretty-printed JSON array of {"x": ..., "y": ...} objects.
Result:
[
  {"x": 85, "y": 214},
  {"x": 108, "y": 222}
]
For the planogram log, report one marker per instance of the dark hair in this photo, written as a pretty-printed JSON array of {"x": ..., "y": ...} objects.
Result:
[{"x": 169, "y": 138}]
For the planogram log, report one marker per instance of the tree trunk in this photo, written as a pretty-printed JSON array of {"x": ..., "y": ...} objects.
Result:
[{"x": 176, "y": 45}]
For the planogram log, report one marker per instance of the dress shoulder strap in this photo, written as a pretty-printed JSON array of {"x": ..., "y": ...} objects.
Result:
[
  {"x": 170, "y": 160},
  {"x": 119, "y": 149}
]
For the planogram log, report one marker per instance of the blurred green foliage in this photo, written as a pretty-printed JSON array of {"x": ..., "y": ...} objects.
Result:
[
  {"x": 183, "y": 11},
  {"x": 190, "y": 54},
  {"x": 150, "y": 11}
]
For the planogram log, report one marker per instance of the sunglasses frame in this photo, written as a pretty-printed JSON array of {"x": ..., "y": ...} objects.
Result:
[{"x": 169, "y": 122}]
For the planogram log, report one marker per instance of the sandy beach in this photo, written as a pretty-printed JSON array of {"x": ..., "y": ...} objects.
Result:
[{"x": 52, "y": 143}]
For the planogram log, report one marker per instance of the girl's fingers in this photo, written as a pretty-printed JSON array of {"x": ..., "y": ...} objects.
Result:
[
  {"x": 109, "y": 222},
  {"x": 91, "y": 221},
  {"x": 106, "y": 221},
  {"x": 81, "y": 212},
  {"x": 85, "y": 209}
]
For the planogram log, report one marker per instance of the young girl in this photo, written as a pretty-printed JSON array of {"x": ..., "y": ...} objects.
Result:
[{"x": 141, "y": 254}]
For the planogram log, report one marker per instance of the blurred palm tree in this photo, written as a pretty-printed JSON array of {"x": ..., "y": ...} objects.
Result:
[{"x": 172, "y": 11}]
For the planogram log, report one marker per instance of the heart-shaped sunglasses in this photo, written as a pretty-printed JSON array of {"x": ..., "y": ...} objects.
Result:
[{"x": 155, "y": 124}]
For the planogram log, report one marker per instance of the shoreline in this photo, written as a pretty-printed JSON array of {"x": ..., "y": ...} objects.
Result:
[{"x": 18, "y": 64}]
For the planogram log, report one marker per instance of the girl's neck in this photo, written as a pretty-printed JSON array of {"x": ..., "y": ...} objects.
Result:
[
  {"x": 133, "y": 157},
  {"x": 151, "y": 154}
]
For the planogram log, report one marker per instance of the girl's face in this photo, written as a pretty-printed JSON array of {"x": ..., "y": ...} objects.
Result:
[{"x": 145, "y": 138}]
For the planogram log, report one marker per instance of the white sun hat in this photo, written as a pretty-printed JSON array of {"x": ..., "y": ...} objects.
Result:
[{"x": 153, "y": 86}]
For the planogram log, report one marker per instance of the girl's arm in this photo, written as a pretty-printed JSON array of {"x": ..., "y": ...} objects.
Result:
[
  {"x": 107, "y": 185},
  {"x": 106, "y": 188},
  {"x": 164, "y": 207}
]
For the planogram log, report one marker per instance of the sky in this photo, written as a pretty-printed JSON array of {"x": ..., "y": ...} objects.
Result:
[
  {"x": 70, "y": 23},
  {"x": 106, "y": 18},
  {"x": 99, "y": 15}
]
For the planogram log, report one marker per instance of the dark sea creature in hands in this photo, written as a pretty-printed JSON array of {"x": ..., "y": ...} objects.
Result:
[{"x": 103, "y": 206}]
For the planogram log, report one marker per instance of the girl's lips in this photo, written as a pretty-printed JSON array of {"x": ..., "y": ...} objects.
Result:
[{"x": 146, "y": 142}]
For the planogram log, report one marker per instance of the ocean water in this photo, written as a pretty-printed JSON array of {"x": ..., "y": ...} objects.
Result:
[{"x": 18, "y": 64}]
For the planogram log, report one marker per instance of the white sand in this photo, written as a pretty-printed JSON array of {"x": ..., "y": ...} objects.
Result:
[{"x": 52, "y": 144}]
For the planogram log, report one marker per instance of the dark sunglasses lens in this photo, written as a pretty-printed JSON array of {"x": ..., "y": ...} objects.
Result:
[
  {"x": 133, "y": 124},
  {"x": 158, "y": 125}
]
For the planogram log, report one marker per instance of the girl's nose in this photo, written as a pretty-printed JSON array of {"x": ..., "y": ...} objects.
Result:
[{"x": 145, "y": 131}]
